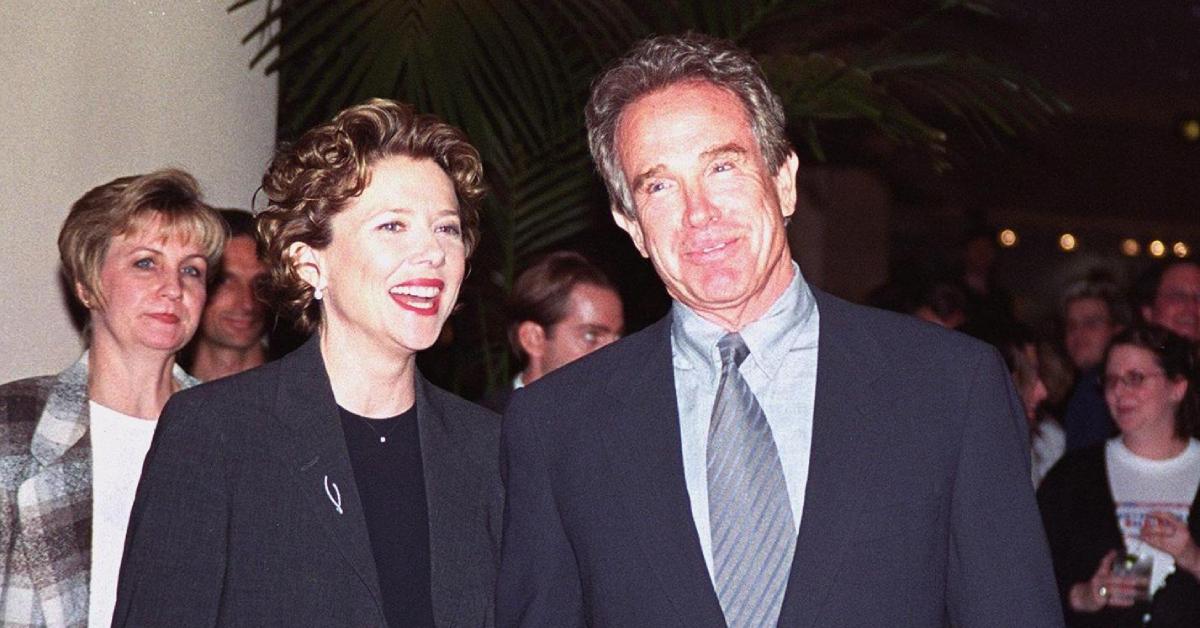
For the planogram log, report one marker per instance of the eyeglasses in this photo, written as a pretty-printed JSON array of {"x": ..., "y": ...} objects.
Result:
[
  {"x": 1089, "y": 322},
  {"x": 1179, "y": 297},
  {"x": 1132, "y": 379}
]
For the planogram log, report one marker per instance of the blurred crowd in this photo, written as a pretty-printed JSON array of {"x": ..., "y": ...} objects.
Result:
[{"x": 1113, "y": 415}]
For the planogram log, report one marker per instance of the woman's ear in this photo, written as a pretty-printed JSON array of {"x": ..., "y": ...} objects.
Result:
[
  {"x": 308, "y": 264},
  {"x": 85, "y": 296}
]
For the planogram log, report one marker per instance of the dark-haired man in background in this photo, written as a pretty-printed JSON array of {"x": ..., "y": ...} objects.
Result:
[
  {"x": 766, "y": 454},
  {"x": 230, "y": 338},
  {"x": 561, "y": 308},
  {"x": 1168, "y": 294}
]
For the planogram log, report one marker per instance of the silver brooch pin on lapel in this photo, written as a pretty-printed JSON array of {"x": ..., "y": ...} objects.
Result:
[{"x": 335, "y": 496}]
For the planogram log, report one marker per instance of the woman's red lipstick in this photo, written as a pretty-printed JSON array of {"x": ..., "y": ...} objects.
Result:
[{"x": 421, "y": 296}]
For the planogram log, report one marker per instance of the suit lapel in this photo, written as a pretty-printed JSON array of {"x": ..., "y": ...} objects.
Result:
[
  {"x": 643, "y": 444},
  {"x": 848, "y": 362},
  {"x": 55, "y": 503},
  {"x": 449, "y": 492},
  {"x": 316, "y": 450}
]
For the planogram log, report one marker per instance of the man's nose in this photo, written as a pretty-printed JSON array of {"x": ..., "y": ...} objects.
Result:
[
  {"x": 245, "y": 296},
  {"x": 700, "y": 209}
]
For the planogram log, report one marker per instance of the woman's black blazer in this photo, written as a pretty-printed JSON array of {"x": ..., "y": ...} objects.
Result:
[{"x": 247, "y": 512}]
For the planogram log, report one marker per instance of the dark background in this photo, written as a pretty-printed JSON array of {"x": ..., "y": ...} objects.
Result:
[{"x": 1116, "y": 166}]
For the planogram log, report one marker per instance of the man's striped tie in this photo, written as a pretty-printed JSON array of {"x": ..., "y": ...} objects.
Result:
[{"x": 753, "y": 534}]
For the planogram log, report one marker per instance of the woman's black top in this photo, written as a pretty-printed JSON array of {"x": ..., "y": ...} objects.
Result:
[
  {"x": 386, "y": 457},
  {"x": 1080, "y": 517}
]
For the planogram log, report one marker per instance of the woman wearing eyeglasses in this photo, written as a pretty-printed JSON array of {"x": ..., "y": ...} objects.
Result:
[{"x": 1122, "y": 517}]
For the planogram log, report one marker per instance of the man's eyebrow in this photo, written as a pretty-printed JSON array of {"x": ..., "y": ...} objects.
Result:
[
  {"x": 646, "y": 174},
  {"x": 729, "y": 148},
  {"x": 724, "y": 149}
]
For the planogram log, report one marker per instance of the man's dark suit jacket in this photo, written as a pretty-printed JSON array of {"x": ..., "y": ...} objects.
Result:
[
  {"x": 918, "y": 509},
  {"x": 235, "y": 521},
  {"x": 498, "y": 399}
]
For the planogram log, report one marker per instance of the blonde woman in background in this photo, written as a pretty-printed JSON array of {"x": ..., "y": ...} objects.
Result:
[{"x": 137, "y": 253}]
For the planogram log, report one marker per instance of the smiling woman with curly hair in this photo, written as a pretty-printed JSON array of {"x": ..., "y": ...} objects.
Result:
[{"x": 336, "y": 486}]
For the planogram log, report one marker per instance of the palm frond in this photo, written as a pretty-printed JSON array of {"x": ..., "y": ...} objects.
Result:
[{"x": 515, "y": 75}]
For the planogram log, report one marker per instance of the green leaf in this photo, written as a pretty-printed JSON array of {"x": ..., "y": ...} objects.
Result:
[{"x": 515, "y": 77}]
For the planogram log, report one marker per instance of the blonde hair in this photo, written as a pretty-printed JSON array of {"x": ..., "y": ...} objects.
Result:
[{"x": 123, "y": 206}]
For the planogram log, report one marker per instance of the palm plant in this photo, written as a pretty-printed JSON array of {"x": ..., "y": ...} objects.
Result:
[{"x": 514, "y": 76}]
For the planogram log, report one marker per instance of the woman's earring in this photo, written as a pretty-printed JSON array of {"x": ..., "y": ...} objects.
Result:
[{"x": 318, "y": 293}]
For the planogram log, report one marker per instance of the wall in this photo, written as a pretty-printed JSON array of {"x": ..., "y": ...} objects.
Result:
[{"x": 96, "y": 90}]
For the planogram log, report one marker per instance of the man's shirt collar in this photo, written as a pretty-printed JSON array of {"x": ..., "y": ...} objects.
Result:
[{"x": 769, "y": 338}]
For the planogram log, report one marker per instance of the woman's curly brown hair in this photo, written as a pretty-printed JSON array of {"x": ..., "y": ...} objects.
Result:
[{"x": 313, "y": 179}]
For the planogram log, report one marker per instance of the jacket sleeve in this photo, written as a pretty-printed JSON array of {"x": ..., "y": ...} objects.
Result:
[
  {"x": 999, "y": 570},
  {"x": 539, "y": 579},
  {"x": 174, "y": 561},
  {"x": 1054, "y": 502}
]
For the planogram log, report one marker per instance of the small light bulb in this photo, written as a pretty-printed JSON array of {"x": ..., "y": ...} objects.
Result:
[
  {"x": 1008, "y": 238},
  {"x": 1157, "y": 248},
  {"x": 1130, "y": 247},
  {"x": 1067, "y": 242},
  {"x": 1190, "y": 130}
]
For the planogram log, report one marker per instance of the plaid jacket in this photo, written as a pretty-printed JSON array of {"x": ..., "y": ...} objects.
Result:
[{"x": 46, "y": 498}]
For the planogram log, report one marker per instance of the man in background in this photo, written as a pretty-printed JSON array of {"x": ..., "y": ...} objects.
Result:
[
  {"x": 230, "y": 339},
  {"x": 562, "y": 308},
  {"x": 1092, "y": 312},
  {"x": 1169, "y": 295}
]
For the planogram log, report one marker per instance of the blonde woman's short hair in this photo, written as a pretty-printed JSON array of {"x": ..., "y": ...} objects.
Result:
[{"x": 125, "y": 205}]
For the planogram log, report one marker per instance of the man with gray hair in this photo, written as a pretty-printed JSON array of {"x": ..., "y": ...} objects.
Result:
[
  {"x": 766, "y": 454},
  {"x": 1092, "y": 311}
]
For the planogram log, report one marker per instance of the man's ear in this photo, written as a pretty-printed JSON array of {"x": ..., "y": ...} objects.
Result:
[
  {"x": 1178, "y": 388},
  {"x": 308, "y": 264},
  {"x": 785, "y": 184},
  {"x": 532, "y": 338},
  {"x": 632, "y": 227}
]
